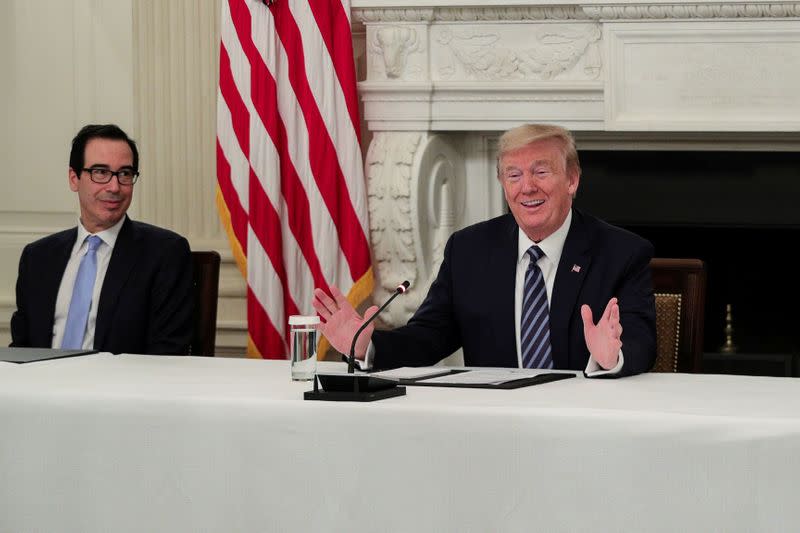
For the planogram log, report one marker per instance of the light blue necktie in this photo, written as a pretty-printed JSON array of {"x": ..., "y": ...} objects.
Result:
[
  {"x": 534, "y": 329},
  {"x": 81, "y": 297}
]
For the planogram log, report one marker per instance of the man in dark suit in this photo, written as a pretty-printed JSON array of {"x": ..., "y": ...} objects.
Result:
[
  {"x": 134, "y": 279},
  {"x": 487, "y": 295}
]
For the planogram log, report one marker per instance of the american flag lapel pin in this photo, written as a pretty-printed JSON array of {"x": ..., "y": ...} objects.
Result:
[{"x": 576, "y": 268}]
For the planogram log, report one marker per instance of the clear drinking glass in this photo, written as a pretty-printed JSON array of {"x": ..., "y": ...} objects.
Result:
[{"x": 303, "y": 346}]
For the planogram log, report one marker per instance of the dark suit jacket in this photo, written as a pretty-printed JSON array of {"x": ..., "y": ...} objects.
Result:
[
  {"x": 471, "y": 302},
  {"x": 146, "y": 301}
]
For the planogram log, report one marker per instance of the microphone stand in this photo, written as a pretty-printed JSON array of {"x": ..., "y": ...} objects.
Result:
[
  {"x": 348, "y": 387},
  {"x": 403, "y": 287}
]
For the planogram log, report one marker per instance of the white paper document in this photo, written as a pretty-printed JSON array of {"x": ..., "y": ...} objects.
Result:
[
  {"x": 410, "y": 372},
  {"x": 494, "y": 376}
]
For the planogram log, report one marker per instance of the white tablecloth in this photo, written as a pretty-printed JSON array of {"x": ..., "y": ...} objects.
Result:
[{"x": 139, "y": 443}]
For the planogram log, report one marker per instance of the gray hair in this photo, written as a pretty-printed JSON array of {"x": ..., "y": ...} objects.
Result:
[{"x": 526, "y": 134}]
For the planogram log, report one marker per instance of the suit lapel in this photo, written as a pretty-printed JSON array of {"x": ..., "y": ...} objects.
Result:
[
  {"x": 572, "y": 270},
  {"x": 504, "y": 265},
  {"x": 123, "y": 258},
  {"x": 51, "y": 281}
]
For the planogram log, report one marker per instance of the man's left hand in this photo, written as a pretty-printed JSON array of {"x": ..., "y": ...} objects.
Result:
[{"x": 604, "y": 338}]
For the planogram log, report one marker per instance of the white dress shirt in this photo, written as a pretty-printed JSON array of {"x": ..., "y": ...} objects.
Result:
[{"x": 109, "y": 238}]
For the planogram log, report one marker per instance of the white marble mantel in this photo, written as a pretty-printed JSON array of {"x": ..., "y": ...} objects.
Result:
[{"x": 443, "y": 78}]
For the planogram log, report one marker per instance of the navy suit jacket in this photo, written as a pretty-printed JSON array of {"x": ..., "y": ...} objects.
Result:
[
  {"x": 145, "y": 303},
  {"x": 470, "y": 305}
]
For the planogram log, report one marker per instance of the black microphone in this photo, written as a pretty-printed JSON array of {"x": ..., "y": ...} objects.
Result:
[
  {"x": 403, "y": 287},
  {"x": 352, "y": 387}
]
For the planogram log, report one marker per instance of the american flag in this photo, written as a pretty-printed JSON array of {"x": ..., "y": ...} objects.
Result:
[{"x": 291, "y": 195}]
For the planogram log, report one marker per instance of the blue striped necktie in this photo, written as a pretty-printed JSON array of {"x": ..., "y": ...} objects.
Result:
[
  {"x": 81, "y": 301},
  {"x": 534, "y": 328}
]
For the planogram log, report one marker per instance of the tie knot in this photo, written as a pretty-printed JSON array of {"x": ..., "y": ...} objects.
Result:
[
  {"x": 535, "y": 253},
  {"x": 94, "y": 242}
]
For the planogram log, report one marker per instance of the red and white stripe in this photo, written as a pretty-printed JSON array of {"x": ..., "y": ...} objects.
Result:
[{"x": 291, "y": 194}]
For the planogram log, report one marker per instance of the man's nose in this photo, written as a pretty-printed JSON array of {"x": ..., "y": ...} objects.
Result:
[
  {"x": 113, "y": 183},
  {"x": 529, "y": 183}
]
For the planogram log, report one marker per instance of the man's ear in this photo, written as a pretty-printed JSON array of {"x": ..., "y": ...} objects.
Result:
[
  {"x": 73, "y": 180},
  {"x": 574, "y": 177}
]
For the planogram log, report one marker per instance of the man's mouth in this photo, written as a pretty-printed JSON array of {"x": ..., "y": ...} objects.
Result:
[{"x": 533, "y": 203}]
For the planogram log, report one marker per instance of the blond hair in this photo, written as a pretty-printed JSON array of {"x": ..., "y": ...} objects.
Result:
[{"x": 526, "y": 134}]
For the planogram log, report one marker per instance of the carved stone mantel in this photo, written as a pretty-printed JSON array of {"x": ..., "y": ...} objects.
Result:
[{"x": 444, "y": 78}]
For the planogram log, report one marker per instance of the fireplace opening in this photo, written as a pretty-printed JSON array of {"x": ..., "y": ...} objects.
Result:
[{"x": 737, "y": 211}]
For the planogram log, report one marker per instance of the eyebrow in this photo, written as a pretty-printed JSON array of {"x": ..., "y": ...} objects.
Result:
[
  {"x": 104, "y": 166},
  {"x": 535, "y": 163},
  {"x": 510, "y": 167}
]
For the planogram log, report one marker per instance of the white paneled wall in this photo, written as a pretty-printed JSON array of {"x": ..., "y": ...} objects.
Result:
[{"x": 176, "y": 46}]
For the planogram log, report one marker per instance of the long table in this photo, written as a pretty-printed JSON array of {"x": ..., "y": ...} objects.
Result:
[{"x": 142, "y": 443}]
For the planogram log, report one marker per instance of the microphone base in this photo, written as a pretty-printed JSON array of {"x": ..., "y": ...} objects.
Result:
[
  {"x": 353, "y": 388},
  {"x": 350, "y": 396}
]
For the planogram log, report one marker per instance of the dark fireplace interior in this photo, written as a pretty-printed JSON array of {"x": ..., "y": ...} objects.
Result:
[{"x": 737, "y": 211}]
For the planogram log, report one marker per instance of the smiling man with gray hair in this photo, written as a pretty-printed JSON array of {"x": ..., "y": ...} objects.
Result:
[{"x": 545, "y": 286}]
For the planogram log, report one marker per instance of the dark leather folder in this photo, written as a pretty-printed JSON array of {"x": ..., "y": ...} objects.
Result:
[{"x": 28, "y": 355}]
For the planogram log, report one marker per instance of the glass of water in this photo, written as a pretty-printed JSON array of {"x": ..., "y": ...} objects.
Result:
[{"x": 303, "y": 346}]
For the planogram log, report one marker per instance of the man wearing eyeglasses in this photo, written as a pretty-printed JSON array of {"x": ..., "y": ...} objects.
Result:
[{"x": 109, "y": 284}]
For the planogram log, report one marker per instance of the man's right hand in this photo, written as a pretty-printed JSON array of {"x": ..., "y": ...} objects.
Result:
[{"x": 340, "y": 321}]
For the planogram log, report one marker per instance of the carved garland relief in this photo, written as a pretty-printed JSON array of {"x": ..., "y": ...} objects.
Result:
[{"x": 546, "y": 53}]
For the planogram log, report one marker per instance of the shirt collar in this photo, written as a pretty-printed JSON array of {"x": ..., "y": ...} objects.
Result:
[
  {"x": 552, "y": 245},
  {"x": 108, "y": 236}
]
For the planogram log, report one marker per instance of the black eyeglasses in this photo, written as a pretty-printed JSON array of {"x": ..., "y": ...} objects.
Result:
[{"x": 125, "y": 176}]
